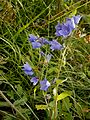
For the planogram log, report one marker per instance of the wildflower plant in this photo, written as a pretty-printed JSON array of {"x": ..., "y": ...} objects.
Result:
[{"x": 44, "y": 83}]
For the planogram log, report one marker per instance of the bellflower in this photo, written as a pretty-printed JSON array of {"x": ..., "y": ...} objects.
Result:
[
  {"x": 55, "y": 45},
  {"x": 48, "y": 57},
  {"x": 27, "y": 69},
  {"x": 34, "y": 80},
  {"x": 42, "y": 53},
  {"x": 44, "y": 84},
  {"x": 43, "y": 41},
  {"x": 32, "y": 38},
  {"x": 37, "y": 42},
  {"x": 76, "y": 19},
  {"x": 70, "y": 24},
  {"x": 66, "y": 28}
]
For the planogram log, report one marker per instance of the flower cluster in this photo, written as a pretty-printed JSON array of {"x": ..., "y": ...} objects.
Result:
[
  {"x": 55, "y": 45},
  {"x": 28, "y": 70},
  {"x": 39, "y": 42},
  {"x": 65, "y": 29}
]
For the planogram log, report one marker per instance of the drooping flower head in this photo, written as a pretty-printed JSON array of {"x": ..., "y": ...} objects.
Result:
[
  {"x": 43, "y": 41},
  {"x": 37, "y": 42},
  {"x": 42, "y": 53},
  {"x": 55, "y": 45},
  {"x": 48, "y": 57},
  {"x": 32, "y": 38},
  {"x": 44, "y": 85},
  {"x": 66, "y": 28},
  {"x": 27, "y": 69},
  {"x": 76, "y": 19},
  {"x": 34, "y": 80}
]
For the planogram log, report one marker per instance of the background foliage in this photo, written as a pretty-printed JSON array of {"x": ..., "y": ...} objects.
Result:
[{"x": 18, "y": 19}]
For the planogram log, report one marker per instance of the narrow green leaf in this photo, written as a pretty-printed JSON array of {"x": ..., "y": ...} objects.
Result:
[
  {"x": 58, "y": 81},
  {"x": 63, "y": 95}
]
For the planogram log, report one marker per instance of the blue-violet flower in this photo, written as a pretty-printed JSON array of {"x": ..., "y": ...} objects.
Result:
[
  {"x": 27, "y": 69},
  {"x": 34, "y": 80},
  {"x": 48, "y": 57},
  {"x": 66, "y": 28},
  {"x": 76, "y": 19},
  {"x": 32, "y": 38},
  {"x": 44, "y": 84},
  {"x": 37, "y": 42},
  {"x": 55, "y": 45}
]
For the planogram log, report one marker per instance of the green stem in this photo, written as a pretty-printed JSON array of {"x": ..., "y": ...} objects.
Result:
[
  {"x": 20, "y": 98},
  {"x": 1, "y": 93},
  {"x": 47, "y": 105},
  {"x": 55, "y": 108}
]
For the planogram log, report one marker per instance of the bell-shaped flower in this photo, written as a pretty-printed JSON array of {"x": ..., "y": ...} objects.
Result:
[
  {"x": 66, "y": 28},
  {"x": 37, "y": 42},
  {"x": 34, "y": 80},
  {"x": 44, "y": 85},
  {"x": 27, "y": 69},
  {"x": 55, "y": 45},
  {"x": 32, "y": 38},
  {"x": 76, "y": 19}
]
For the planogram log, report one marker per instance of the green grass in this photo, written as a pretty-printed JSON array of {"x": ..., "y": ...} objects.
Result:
[{"x": 18, "y": 19}]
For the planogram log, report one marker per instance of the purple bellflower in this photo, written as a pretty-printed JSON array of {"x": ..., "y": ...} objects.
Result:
[
  {"x": 76, "y": 19},
  {"x": 43, "y": 41},
  {"x": 34, "y": 80},
  {"x": 27, "y": 69},
  {"x": 48, "y": 57},
  {"x": 32, "y": 38},
  {"x": 55, "y": 45},
  {"x": 42, "y": 53},
  {"x": 44, "y": 85},
  {"x": 66, "y": 28},
  {"x": 37, "y": 42}
]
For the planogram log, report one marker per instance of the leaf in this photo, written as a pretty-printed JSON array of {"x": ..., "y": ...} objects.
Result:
[
  {"x": 1, "y": 72},
  {"x": 11, "y": 94},
  {"x": 2, "y": 78},
  {"x": 88, "y": 73},
  {"x": 4, "y": 104},
  {"x": 87, "y": 18},
  {"x": 52, "y": 104},
  {"x": 88, "y": 115},
  {"x": 63, "y": 95},
  {"x": 66, "y": 105},
  {"x": 53, "y": 69},
  {"x": 73, "y": 13},
  {"x": 19, "y": 89},
  {"x": 58, "y": 81},
  {"x": 41, "y": 107},
  {"x": 21, "y": 101},
  {"x": 82, "y": 75},
  {"x": 67, "y": 116}
]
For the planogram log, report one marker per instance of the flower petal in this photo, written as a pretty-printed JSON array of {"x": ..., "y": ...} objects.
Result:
[
  {"x": 34, "y": 80},
  {"x": 32, "y": 38},
  {"x": 44, "y": 84}
]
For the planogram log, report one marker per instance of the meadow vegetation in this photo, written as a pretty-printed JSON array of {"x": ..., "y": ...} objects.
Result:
[{"x": 67, "y": 97}]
